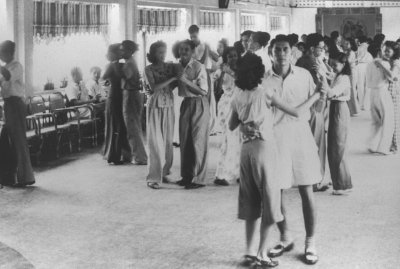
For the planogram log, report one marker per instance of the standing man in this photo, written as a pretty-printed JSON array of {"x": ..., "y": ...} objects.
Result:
[
  {"x": 363, "y": 59},
  {"x": 194, "y": 118},
  {"x": 132, "y": 102},
  {"x": 245, "y": 38},
  {"x": 299, "y": 163},
  {"x": 311, "y": 61}
]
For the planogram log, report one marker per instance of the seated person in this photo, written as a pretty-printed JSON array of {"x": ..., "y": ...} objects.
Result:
[
  {"x": 95, "y": 88},
  {"x": 77, "y": 93}
]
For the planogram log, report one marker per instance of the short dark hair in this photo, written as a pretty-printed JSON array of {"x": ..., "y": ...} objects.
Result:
[
  {"x": 194, "y": 29},
  {"x": 374, "y": 49},
  {"x": 294, "y": 39},
  {"x": 301, "y": 44},
  {"x": 261, "y": 38},
  {"x": 8, "y": 46},
  {"x": 313, "y": 40},
  {"x": 250, "y": 72},
  {"x": 395, "y": 47},
  {"x": 239, "y": 47},
  {"x": 282, "y": 38},
  {"x": 352, "y": 42},
  {"x": 379, "y": 38},
  {"x": 246, "y": 33},
  {"x": 342, "y": 58},
  {"x": 334, "y": 34},
  {"x": 151, "y": 56},
  {"x": 226, "y": 52},
  {"x": 362, "y": 39},
  {"x": 188, "y": 42},
  {"x": 130, "y": 45}
]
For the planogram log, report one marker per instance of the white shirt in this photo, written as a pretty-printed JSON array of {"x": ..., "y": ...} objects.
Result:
[
  {"x": 196, "y": 73},
  {"x": 375, "y": 78},
  {"x": 199, "y": 52},
  {"x": 295, "y": 89},
  {"x": 94, "y": 88},
  {"x": 254, "y": 107},
  {"x": 266, "y": 60},
  {"x": 340, "y": 88},
  {"x": 363, "y": 56},
  {"x": 15, "y": 86}
]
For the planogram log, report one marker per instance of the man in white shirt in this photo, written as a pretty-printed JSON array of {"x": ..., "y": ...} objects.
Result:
[
  {"x": 194, "y": 118},
  {"x": 77, "y": 93},
  {"x": 96, "y": 90},
  {"x": 258, "y": 45}
]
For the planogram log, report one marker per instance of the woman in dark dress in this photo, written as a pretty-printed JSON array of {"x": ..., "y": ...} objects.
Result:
[{"x": 116, "y": 146}]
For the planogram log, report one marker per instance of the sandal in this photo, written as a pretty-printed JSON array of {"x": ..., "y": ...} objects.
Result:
[
  {"x": 279, "y": 249},
  {"x": 310, "y": 257},
  {"x": 261, "y": 264},
  {"x": 153, "y": 185},
  {"x": 248, "y": 260}
]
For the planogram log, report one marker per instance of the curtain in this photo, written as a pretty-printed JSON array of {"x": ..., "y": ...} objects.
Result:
[
  {"x": 212, "y": 20},
  {"x": 158, "y": 20}
]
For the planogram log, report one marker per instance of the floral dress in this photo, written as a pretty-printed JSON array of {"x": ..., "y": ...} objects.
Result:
[{"x": 229, "y": 159}]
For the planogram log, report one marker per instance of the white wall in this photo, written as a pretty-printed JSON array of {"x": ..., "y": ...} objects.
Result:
[
  {"x": 303, "y": 21},
  {"x": 391, "y": 22}
]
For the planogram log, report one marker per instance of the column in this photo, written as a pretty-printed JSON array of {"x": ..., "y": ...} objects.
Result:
[{"x": 128, "y": 18}]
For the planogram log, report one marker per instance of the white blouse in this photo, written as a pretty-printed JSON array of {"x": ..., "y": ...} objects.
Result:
[
  {"x": 340, "y": 88},
  {"x": 15, "y": 86}
]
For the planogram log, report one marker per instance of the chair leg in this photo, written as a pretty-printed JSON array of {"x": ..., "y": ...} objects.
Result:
[{"x": 59, "y": 137}]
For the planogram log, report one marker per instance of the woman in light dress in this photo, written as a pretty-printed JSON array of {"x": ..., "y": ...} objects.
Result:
[
  {"x": 228, "y": 163},
  {"x": 382, "y": 109},
  {"x": 392, "y": 55},
  {"x": 350, "y": 48}
]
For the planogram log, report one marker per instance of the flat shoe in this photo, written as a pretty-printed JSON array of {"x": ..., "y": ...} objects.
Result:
[
  {"x": 266, "y": 264},
  {"x": 153, "y": 185},
  {"x": 182, "y": 182},
  {"x": 310, "y": 258},
  {"x": 248, "y": 260},
  {"x": 221, "y": 182},
  {"x": 279, "y": 249},
  {"x": 192, "y": 186}
]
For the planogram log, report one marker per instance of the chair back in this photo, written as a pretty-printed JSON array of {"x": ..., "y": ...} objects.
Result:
[
  {"x": 36, "y": 104},
  {"x": 56, "y": 101}
]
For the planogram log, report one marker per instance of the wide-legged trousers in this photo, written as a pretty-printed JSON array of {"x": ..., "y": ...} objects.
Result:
[
  {"x": 317, "y": 124},
  {"x": 15, "y": 165},
  {"x": 339, "y": 122},
  {"x": 132, "y": 107},
  {"x": 160, "y": 134},
  {"x": 194, "y": 131},
  {"x": 362, "y": 90}
]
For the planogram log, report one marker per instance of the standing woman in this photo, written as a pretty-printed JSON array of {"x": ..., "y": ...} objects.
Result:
[
  {"x": 350, "y": 48},
  {"x": 13, "y": 92},
  {"x": 392, "y": 54},
  {"x": 228, "y": 163},
  {"x": 116, "y": 146},
  {"x": 339, "y": 123},
  {"x": 160, "y": 114}
]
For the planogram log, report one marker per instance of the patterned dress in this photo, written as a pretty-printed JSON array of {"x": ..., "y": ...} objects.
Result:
[
  {"x": 229, "y": 160},
  {"x": 394, "y": 89}
]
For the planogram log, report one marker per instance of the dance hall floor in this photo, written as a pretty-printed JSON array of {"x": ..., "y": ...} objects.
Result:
[{"x": 86, "y": 214}]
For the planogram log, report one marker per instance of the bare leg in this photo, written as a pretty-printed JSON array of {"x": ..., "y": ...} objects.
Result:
[
  {"x": 262, "y": 249},
  {"x": 283, "y": 225},
  {"x": 309, "y": 214},
  {"x": 250, "y": 233}
]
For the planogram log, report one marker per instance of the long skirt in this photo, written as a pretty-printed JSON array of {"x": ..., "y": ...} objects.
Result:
[
  {"x": 194, "y": 131},
  {"x": 382, "y": 113},
  {"x": 394, "y": 89},
  {"x": 229, "y": 158},
  {"x": 16, "y": 167},
  {"x": 260, "y": 189},
  {"x": 339, "y": 122},
  {"x": 132, "y": 108},
  {"x": 116, "y": 146},
  {"x": 160, "y": 133}
]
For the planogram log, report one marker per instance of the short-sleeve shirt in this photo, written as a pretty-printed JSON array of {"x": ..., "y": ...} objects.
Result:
[
  {"x": 254, "y": 107},
  {"x": 94, "y": 88},
  {"x": 159, "y": 74},
  {"x": 77, "y": 92},
  {"x": 295, "y": 89},
  {"x": 195, "y": 72},
  {"x": 15, "y": 86}
]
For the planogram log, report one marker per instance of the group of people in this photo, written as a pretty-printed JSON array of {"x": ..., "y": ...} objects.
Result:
[{"x": 282, "y": 107}]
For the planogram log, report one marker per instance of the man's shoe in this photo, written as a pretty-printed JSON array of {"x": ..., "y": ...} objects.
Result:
[
  {"x": 192, "y": 186},
  {"x": 182, "y": 182}
]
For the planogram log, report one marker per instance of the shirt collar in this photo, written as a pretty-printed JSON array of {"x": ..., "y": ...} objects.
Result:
[
  {"x": 272, "y": 72},
  {"x": 190, "y": 63}
]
